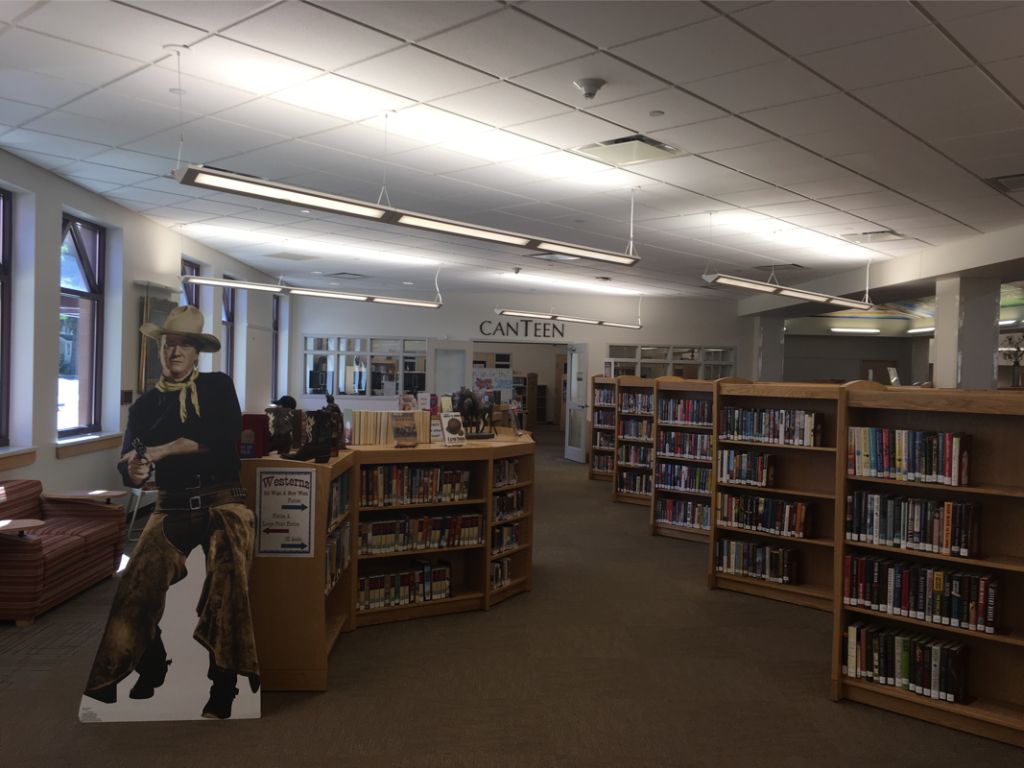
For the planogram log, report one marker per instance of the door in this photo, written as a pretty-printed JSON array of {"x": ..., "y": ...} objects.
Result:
[
  {"x": 448, "y": 365},
  {"x": 576, "y": 403}
]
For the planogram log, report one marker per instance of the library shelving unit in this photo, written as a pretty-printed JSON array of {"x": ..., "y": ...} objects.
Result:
[
  {"x": 951, "y": 645},
  {"x": 510, "y": 522},
  {"x": 634, "y": 440},
  {"x": 602, "y": 428},
  {"x": 301, "y": 604},
  {"x": 683, "y": 458},
  {"x": 774, "y": 490}
]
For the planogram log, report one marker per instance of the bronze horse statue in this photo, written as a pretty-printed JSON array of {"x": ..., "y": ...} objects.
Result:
[{"x": 476, "y": 416}]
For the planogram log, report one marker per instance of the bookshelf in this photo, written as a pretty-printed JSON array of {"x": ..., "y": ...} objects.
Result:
[
  {"x": 300, "y": 604},
  {"x": 916, "y": 517},
  {"x": 634, "y": 440},
  {"x": 683, "y": 458},
  {"x": 602, "y": 428},
  {"x": 776, "y": 540},
  {"x": 524, "y": 389}
]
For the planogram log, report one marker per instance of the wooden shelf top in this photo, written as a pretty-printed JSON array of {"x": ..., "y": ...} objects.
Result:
[
  {"x": 465, "y": 597},
  {"x": 602, "y": 448},
  {"x": 417, "y": 552},
  {"x": 938, "y": 401},
  {"x": 509, "y": 551},
  {"x": 603, "y": 426},
  {"x": 678, "y": 457},
  {"x": 995, "y": 562},
  {"x": 623, "y": 439},
  {"x": 630, "y": 495},
  {"x": 818, "y": 542},
  {"x": 429, "y": 505},
  {"x": 679, "y": 384},
  {"x": 808, "y": 590},
  {"x": 779, "y": 389},
  {"x": 521, "y": 516},
  {"x": 1015, "y": 492},
  {"x": 1007, "y": 638},
  {"x": 506, "y": 443},
  {"x": 604, "y": 405},
  {"x": 773, "y": 446},
  {"x": 512, "y": 584},
  {"x": 702, "y": 532},
  {"x": 776, "y": 490},
  {"x": 511, "y": 486}
]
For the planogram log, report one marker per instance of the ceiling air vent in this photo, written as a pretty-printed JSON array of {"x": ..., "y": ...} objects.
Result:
[
  {"x": 1013, "y": 183},
  {"x": 878, "y": 236},
  {"x": 628, "y": 150}
]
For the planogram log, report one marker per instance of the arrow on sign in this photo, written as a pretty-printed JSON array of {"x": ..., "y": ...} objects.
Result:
[
  {"x": 294, "y": 546},
  {"x": 294, "y": 506},
  {"x": 275, "y": 530}
]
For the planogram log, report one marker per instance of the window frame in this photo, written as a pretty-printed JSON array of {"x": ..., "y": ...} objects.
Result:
[
  {"x": 228, "y": 299},
  {"x": 6, "y": 257},
  {"x": 190, "y": 291}
]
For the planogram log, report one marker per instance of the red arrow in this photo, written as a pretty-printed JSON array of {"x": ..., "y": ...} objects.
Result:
[{"x": 275, "y": 530}]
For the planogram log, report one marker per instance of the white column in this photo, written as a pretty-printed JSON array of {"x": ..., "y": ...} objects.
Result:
[
  {"x": 966, "y": 332},
  {"x": 769, "y": 347}
]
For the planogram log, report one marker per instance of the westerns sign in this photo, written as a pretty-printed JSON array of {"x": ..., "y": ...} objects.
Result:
[{"x": 523, "y": 329}]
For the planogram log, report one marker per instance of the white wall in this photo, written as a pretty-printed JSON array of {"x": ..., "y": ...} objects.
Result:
[{"x": 827, "y": 358}]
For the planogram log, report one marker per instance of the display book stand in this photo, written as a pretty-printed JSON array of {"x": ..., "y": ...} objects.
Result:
[
  {"x": 773, "y": 489},
  {"x": 298, "y": 615},
  {"x": 602, "y": 428},
  {"x": 683, "y": 457},
  {"x": 634, "y": 440},
  {"x": 980, "y": 670}
]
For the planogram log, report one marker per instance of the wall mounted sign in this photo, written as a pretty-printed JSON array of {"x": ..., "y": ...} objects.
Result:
[
  {"x": 284, "y": 512},
  {"x": 523, "y": 329}
]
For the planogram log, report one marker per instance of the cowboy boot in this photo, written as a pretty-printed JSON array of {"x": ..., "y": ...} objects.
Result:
[
  {"x": 152, "y": 669},
  {"x": 222, "y": 694}
]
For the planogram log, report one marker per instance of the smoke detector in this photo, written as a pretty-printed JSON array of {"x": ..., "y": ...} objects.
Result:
[{"x": 589, "y": 86}]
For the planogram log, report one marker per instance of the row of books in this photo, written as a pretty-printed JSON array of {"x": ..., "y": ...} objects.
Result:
[
  {"x": 636, "y": 402},
  {"x": 604, "y": 395},
  {"x": 337, "y": 503},
  {"x": 634, "y": 453},
  {"x": 690, "y": 445},
  {"x": 634, "y": 481},
  {"x": 757, "y": 561},
  {"x": 422, "y": 583},
  {"x": 391, "y": 484},
  {"x": 687, "y": 411},
  {"x": 406, "y": 533},
  {"x": 917, "y": 663},
  {"x": 602, "y": 462},
  {"x": 965, "y": 600},
  {"x": 506, "y": 472},
  {"x": 504, "y": 537},
  {"x": 604, "y": 440},
  {"x": 501, "y": 572},
  {"x": 746, "y": 468},
  {"x": 772, "y": 425},
  {"x": 926, "y": 525},
  {"x": 783, "y": 517},
  {"x": 604, "y": 418},
  {"x": 683, "y": 512},
  {"x": 378, "y": 427},
  {"x": 907, "y": 454},
  {"x": 641, "y": 429},
  {"x": 682, "y": 477},
  {"x": 509, "y": 504},
  {"x": 337, "y": 554}
]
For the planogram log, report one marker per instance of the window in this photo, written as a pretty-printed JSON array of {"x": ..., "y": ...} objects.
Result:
[
  {"x": 191, "y": 293},
  {"x": 227, "y": 322},
  {"x": 275, "y": 344},
  {"x": 653, "y": 361},
  {"x": 79, "y": 391},
  {"x": 5, "y": 316},
  {"x": 360, "y": 366}
]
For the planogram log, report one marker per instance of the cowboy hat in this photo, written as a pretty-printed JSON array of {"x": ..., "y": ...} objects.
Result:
[{"x": 184, "y": 321}]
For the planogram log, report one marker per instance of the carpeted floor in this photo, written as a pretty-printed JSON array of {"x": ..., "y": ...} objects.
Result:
[{"x": 620, "y": 656}]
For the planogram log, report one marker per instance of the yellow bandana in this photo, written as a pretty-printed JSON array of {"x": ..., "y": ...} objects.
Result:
[{"x": 181, "y": 387}]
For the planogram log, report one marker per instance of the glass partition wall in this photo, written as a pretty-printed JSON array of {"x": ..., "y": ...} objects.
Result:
[{"x": 382, "y": 367}]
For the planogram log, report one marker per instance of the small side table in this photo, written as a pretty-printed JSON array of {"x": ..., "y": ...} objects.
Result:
[{"x": 20, "y": 526}]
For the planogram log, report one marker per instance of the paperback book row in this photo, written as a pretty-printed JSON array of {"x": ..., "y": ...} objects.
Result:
[
  {"x": 634, "y": 481},
  {"x": 783, "y": 517},
  {"x": 382, "y": 427},
  {"x": 906, "y": 454},
  {"x": 504, "y": 537},
  {"x": 509, "y": 504},
  {"x": 917, "y": 663},
  {"x": 388, "y": 485},
  {"x": 506, "y": 472},
  {"x": 926, "y": 525},
  {"x": 636, "y": 402},
  {"x": 425, "y": 532},
  {"x": 604, "y": 440},
  {"x": 337, "y": 502},
  {"x": 965, "y": 600},
  {"x": 602, "y": 462},
  {"x": 684, "y": 445},
  {"x": 423, "y": 582},
  {"x": 756, "y": 561},
  {"x": 772, "y": 425},
  {"x": 683, "y": 512},
  {"x": 635, "y": 453},
  {"x": 501, "y": 573},
  {"x": 694, "y": 413},
  {"x": 635, "y": 429},
  {"x": 682, "y": 477},
  {"x": 604, "y": 418},
  {"x": 337, "y": 555},
  {"x": 604, "y": 395},
  {"x": 743, "y": 468}
]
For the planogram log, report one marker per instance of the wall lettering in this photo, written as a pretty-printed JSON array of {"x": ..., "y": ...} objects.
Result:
[{"x": 523, "y": 329}]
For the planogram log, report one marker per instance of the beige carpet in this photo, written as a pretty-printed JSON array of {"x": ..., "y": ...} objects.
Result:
[{"x": 619, "y": 656}]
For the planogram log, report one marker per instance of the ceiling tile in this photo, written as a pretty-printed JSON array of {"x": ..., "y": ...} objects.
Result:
[
  {"x": 205, "y": 140},
  {"x": 124, "y": 198},
  {"x": 276, "y": 117},
  {"x": 766, "y": 195},
  {"x": 501, "y": 104},
  {"x": 111, "y": 132},
  {"x": 776, "y": 162},
  {"x": 33, "y": 141},
  {"x": 699, "y": 51},
  {"x": 96, "y": 172},
  {"x": 802, "y": 27},
  {"x": 573, "y": 129},
  {"x": 435, "y": 160},
  {"x": 945, "y": 10},
  {"x": 37, "y": 89},
  {"x": 134, "y": 161},
  {"x": 639, "y": 113},
  {"x": 991, "y": 36},
  {"x": 832, "y": 218},
  {"x": 537, "y": 45},
  {"x": 712, "y": 135},
  {"x": 99, "y": 187},
  {"x": 604, "y": 24},
  {"x": 210, "y": 207},
  {"x": 698, "y": 175},
  {"x": 779, "y": 82},
  {"x": 203, "y": 14},
  {"x": 1011, "y": 74},
  {"x": 11, "y": 9},
  {"x": 622, "y": 80},
  {"x": 789, "y": 210},
  {"x": 27, "y": 51},
  {"x": 866, "y": 200},
  {"x": 17, "y": 112},
  {"x": 155, "y": 85},
  {"x": 416, "y": 74},
  {"x": 103, "y": 26},
  {"x": 410, "y": 19},
  {"x": 311, "y": 35},
  {"x": 884, "y": 59},
  {"x": 844, "y": 183},
  {"x": 362, "y": 139},
  {"x": 836, "y": 111}
]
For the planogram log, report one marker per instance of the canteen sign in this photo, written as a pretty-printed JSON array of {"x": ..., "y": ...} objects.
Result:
[{"x": 523, "y": 329}]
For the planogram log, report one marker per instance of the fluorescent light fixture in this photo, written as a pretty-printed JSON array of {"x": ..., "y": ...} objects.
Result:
[
  {"x": 565, "y": 318},
  {"x": 781, "y": 290},
  {"x": 834, "y": 329},
  {"x": 236, "y": 183},
  {"x": 586, "y": 321},
  {"x": 632, "y": 326},
  {"x": 926, "y": 329},
  {"x": 405, "y": 302},
  {"x": 224, "y": 283},
  {"x": 524, "y": 313},
  {"x": 327, "y": 294},
  {"x": 461, "y": 229}
]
